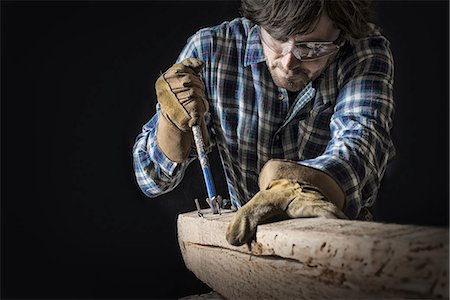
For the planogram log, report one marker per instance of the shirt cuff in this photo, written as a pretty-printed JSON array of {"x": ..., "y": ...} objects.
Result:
[{"x": 345, "y": 176}]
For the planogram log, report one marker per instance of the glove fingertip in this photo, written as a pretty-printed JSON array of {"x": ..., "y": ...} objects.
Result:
[
  {"x": 235, "y": 235},
  {"x": 234, "y": 242},
  {"x": 232, "y": 239}
]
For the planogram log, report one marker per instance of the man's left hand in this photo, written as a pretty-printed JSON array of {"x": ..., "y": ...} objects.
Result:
[{"x": 283, "y": 197}]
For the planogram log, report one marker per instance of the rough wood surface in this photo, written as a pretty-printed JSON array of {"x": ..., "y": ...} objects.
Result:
[{"x": 317, "y": 259}]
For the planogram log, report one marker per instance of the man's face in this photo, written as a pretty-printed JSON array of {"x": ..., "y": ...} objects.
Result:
[{"x": 288, "y": 71}]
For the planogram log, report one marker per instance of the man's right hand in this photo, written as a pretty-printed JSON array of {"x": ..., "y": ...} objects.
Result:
[{"x": 181, "y": 95}]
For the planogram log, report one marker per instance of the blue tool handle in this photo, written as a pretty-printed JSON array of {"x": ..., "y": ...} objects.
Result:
[
  {"x": 209, "y": 183},
  {"x": 203, "y": 158}
]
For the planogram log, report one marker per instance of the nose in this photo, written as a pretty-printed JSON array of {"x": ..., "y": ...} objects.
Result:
[{"x": 289, "y": 61}]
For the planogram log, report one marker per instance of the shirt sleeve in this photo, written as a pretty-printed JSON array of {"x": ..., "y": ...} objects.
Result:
[
  {"x": 360, "y": 145},
  {"x": 155, "y": 173}
]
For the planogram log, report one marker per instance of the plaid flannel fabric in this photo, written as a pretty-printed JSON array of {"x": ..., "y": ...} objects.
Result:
[{"x": 340, "y": 123}]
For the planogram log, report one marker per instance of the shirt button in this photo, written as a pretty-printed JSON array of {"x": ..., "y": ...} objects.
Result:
[{"x": 280, "y": 96}]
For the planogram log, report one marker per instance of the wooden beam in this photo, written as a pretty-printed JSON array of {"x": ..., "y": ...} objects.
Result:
[{"x": 317, "y": 258}]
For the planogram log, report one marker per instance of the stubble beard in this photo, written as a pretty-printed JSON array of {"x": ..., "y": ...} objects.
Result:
[
  {"x": 301, "y": 77},
  {"x": 294, "y": 84},
  {"x": 290, "y": 85}
]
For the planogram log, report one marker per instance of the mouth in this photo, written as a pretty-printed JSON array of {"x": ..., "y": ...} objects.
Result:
[
  {"x": 291, "y": 76},
  {"x": 295, "y": 82},
  {"x": 295, "y": 78}
]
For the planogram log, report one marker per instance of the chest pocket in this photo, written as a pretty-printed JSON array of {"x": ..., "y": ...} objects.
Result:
[{"x": 314, "y": 132}]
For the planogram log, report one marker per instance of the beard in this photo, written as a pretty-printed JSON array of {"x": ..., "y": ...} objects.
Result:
[
  {"x": 293, "y": 81},
  {"x": 296, "y": 79},
  {"x": 292, "y": 84}
]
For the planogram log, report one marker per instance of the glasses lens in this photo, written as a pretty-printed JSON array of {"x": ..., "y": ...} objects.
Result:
[
  {"x": 309, "y": 51},
  {"x": 302, "y": 51}
]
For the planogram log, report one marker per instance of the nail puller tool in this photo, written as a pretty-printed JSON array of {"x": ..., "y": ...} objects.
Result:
[{"x": 214, "y": 200}]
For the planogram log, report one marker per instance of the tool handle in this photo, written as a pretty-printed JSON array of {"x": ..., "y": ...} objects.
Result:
[{"x": 203, "y": 158}]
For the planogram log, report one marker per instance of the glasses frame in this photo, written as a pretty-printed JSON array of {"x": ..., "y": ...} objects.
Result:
[{"x": 295, "y": 45}]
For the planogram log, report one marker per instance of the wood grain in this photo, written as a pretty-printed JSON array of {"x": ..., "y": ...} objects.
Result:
[{"x": 317, "y": 259}]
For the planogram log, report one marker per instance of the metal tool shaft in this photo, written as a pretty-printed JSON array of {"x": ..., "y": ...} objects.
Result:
[{"x": 204, "y": 162}]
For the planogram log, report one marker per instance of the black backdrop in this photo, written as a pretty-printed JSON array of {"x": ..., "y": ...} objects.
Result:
[{"x": 77, "y": 85}]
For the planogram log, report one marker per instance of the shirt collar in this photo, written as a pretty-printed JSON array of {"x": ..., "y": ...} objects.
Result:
[{"x": 253, "y": 51}]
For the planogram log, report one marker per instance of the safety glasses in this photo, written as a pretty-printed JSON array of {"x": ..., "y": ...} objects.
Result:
[{"x": 304, "y": 51}]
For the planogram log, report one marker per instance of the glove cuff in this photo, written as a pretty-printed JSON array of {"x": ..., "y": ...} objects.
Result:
[
  {"x": 173, "y": 142},
  {"x": 285, "y": 169}
]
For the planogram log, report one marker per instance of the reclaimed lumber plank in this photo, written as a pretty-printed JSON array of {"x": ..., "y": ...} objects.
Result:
[{"x": 316, "y": 258}]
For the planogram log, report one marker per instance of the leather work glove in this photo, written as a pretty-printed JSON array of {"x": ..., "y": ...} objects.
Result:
[
  {"x": 284, "y": 197},
  {"x": 181, "y": 95}
]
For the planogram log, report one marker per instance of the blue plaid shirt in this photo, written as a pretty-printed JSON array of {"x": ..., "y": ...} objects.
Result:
[{"x": 340, "y": 123}]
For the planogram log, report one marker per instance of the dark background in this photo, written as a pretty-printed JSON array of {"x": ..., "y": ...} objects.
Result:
[{"x": 77, "y": 85}]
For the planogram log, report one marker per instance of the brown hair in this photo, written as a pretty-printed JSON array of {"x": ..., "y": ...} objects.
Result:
[{"x": 285, "y": 18}]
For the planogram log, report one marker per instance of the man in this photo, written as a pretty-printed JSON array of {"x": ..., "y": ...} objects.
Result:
[{"x": 297, "y": 96}]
